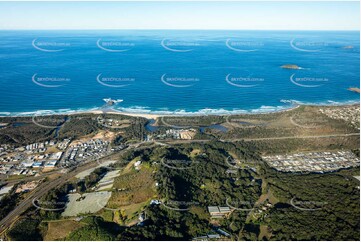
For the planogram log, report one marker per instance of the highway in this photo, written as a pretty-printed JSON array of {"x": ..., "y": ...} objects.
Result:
[
  {"x": 38, "y": 192},
  {"x": 44, "y": 188},
  {"x": 29, "y": 178},
  {"x": 266, "y": 138},
  {"x": 47, "y": 186}
]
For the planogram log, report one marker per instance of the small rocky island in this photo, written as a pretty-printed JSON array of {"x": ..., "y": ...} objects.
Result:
[
  {"x": 111, "y": 102},
  {"x": 291, "y": 66},
  {"x": 354, "y": 89}
]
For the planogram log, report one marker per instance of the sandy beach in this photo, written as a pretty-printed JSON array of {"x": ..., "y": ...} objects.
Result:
[
  {"x": 155, "y": 116},
  {"x": 142, "y": 115}
]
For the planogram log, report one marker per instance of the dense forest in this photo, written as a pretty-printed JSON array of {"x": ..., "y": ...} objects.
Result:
[{"x": 191, "y": 177}]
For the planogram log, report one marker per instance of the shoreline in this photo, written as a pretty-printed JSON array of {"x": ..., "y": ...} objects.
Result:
[
  {"x": 155, "y": 116},
  {"x": 142, "y": 115}
]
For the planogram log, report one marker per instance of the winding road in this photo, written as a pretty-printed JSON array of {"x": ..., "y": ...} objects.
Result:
[{"x": 43, "y": 188}]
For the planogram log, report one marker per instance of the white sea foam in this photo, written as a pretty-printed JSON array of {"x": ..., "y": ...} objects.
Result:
[
  {"x": 325, "y": 103},
  {"x": 46, "y": 112},
  {"x": 289, "y": 103},
  {"x": 205, "y": 111},
  {"x": 116, "y": 101}
]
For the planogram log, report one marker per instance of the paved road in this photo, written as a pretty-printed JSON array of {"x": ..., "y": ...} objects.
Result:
[
  {"x": 303, "y": 137},
  {"x": 44, "y": 188},
  {"x": 267, "y": 138},
  {"x": 38, "y": 192},
  {"x": 29, "y": 178}
]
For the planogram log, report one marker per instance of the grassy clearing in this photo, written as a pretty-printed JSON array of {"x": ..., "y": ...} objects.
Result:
[
  {"x": 302, "y": 121},
  {"x": 52, "y": 149},
  {"x": 195, "y": 153},
  {"x": 132, "y": 187},
  {"x": 107, "y": 215},
  {"x": 264, "y": 233},
  {"x": 132, "y": 191},
  {"x": 58, "y": 230},
  {"x": 15, "y": 177}
]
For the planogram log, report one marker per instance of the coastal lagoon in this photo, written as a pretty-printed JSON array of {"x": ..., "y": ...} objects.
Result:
[{"x": 176, "y": 72}]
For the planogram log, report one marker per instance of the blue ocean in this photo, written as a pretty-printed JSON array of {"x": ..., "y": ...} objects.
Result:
[{"x": 176, "y": 72}]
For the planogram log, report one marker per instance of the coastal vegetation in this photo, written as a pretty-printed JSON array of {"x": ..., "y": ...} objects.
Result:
[
  {"x": 301, "y": 121},
  {"x": 8, "y": 202},
  {"x": 192, "y": 177},
  {"x": 163, "y": 190},
  {"x": 24, "y": 130},
  {"x": 326, "y": 203}
]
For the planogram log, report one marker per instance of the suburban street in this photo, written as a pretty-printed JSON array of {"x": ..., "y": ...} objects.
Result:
[{"x": 47, "y": 186}]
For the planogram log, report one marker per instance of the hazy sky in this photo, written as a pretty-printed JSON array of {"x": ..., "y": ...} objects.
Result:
[{"x": 181, "y": 15}]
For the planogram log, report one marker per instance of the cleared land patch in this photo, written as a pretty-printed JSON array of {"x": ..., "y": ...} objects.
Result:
[
  {"x": 58, "y": 230},
  {"x": 132, "y": 188},
  {"x": 86, "y": 203}
]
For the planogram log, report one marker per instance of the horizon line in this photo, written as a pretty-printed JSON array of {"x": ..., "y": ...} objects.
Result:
[{"x": 354, "y": 30}]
